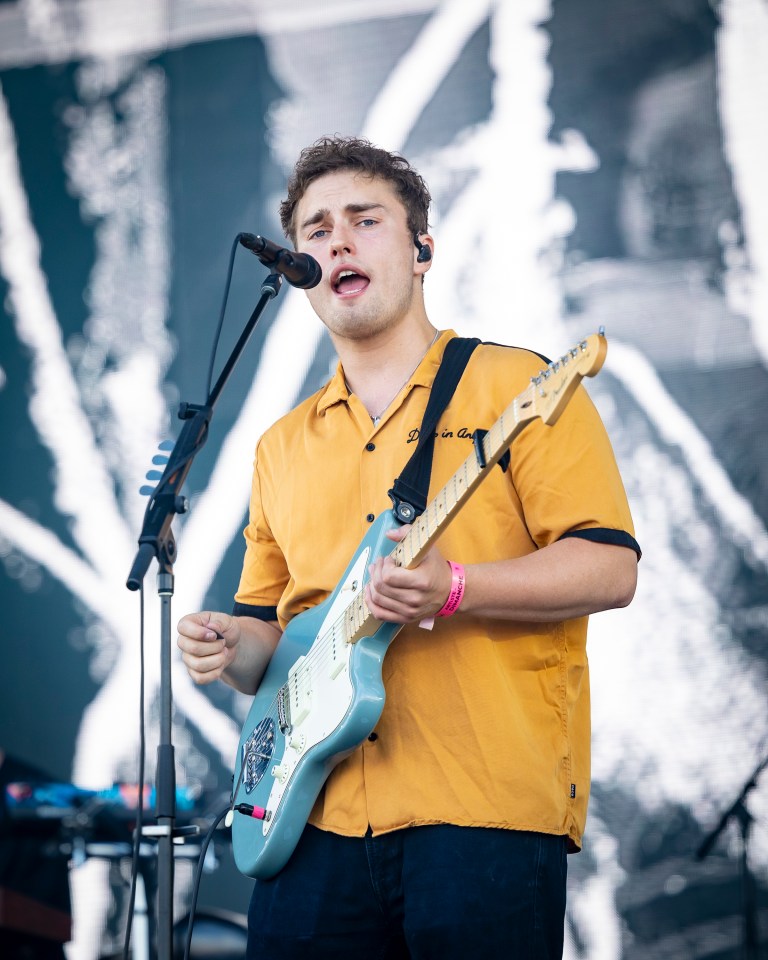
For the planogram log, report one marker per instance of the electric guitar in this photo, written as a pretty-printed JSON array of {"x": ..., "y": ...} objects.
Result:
[{"x": 322, "y": 693}]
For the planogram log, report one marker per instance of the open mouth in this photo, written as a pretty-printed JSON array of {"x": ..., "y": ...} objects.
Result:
[{"x": 349, "y": 282}]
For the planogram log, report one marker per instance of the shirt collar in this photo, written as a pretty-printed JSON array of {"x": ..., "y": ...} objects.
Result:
[{"x": 336, "y": 391}]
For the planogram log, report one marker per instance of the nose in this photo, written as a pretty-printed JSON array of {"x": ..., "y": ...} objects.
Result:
[{"x": 341, "y": 242}]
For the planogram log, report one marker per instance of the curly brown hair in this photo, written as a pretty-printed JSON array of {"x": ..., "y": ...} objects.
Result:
[{"x": 329, "y": 154}]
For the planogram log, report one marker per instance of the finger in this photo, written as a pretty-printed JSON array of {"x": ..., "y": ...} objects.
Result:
[
  {"x": 202, "y": 677},
  {"x": 386, "y": 574},
  {"x": 205, "y": 669},
  {"x": 404, "y": 586},
  {"x": 209, "y": 626},
  {"x": 384, "y": 610},
  {"x": 207, "y": 647},
  {"x": 394, "y": 598},
  {"x": 385, "y": 590},
  {"x": 194, "y": 625},
  {"x": 224, "y": 626},
  {"x": 403, "y": 604},
  {"x": 399, "y": 533}
]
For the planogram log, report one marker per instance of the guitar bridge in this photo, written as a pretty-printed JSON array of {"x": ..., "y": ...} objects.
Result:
[{"x": 284, "y": 710}]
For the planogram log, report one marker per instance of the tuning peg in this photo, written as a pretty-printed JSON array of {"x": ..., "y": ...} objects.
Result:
[{"x": 146, "y": 490}]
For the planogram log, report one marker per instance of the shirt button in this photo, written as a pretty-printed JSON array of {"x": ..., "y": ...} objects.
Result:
[
  {"x": 370, "y": 446},
  {"x": 370, "y": 518}
]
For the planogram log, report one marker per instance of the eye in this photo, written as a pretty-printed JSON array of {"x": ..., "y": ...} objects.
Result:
[{"x": 317, "y": 234}]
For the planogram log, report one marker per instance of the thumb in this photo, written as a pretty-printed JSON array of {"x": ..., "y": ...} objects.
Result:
[
  {"x": 223, "y": 625},
  {"x": 399, "y": 533}
]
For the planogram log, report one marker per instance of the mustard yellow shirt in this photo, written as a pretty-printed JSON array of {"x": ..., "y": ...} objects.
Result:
[{"x": 486, "y": 722}]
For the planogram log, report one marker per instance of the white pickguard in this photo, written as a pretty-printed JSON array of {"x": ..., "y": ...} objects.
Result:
[{"x": 322, "y": 687}]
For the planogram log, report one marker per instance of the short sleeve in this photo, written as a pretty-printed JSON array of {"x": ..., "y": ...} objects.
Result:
[
  {"x": 265, "y": 573},
  {"x": 568, "y": 481}
]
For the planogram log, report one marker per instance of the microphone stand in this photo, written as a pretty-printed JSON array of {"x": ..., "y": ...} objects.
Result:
[
  {"x": 157, "y": 540},
  {"x": 738, "y": 812}
]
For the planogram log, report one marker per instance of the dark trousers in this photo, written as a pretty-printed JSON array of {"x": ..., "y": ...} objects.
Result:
[{"x": 428, "y": 893}]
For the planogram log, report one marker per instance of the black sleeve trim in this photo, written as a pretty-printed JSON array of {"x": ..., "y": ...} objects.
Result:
[
  {"x": 617, "y": 538},
  {"x": 251, "y": 610}
]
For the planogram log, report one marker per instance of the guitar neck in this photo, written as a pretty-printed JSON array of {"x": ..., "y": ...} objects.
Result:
[
  {"x": 545, "y": 397},
  {"x": 358, "y": 620},
  {"x": 448, "y": 502}
]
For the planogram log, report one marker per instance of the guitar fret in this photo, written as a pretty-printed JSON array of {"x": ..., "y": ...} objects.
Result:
[
  {"x": 487, "y": 446},
  {"x": 470, "y": 464},
  {"x": 498, "y": 430}
]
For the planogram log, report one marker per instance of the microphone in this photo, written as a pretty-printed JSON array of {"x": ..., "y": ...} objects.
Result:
[{"x": 299, "y": 269}]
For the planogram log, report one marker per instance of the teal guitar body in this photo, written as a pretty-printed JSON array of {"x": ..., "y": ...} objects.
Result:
[{"x": 321, "y": 696}]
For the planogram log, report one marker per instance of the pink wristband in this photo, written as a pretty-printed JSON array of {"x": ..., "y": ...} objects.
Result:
[{"x": 456, "y": 595}]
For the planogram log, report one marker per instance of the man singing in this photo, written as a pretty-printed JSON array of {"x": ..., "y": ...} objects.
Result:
[{"x": 445, "y": 833}]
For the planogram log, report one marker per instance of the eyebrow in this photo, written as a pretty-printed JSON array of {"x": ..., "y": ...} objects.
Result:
[{"x": 321, "y": 214}]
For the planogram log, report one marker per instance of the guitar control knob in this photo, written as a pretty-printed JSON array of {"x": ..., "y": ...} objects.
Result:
[
  {"x": 297, "y": 743},
  {"x": 280, "y": 771}
]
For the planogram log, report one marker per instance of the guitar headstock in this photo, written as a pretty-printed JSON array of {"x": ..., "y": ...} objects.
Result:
[{"x": 555, "y": 384}]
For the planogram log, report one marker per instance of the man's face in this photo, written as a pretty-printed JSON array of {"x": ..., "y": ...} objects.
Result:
[{"x": 356, "y": 228}]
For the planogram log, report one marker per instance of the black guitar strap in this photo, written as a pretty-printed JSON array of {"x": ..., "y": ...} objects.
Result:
[{"x": 409, "y": 491}]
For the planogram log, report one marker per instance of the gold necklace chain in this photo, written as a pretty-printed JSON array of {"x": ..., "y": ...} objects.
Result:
[{"x": 377, "y": 417}]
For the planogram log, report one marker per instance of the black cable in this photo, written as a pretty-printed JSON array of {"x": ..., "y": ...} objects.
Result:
[
  {"x": 198, "y": 877},
  {"x": 217, "y": 334}
]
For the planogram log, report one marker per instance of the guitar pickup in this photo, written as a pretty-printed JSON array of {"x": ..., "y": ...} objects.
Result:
[
  {"x": 338, "y": 655},
  {"x": 300, "y": 691}
]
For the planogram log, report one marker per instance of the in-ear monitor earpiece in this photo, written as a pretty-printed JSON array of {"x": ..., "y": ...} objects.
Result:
[{"x": 425, "y": 254}]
